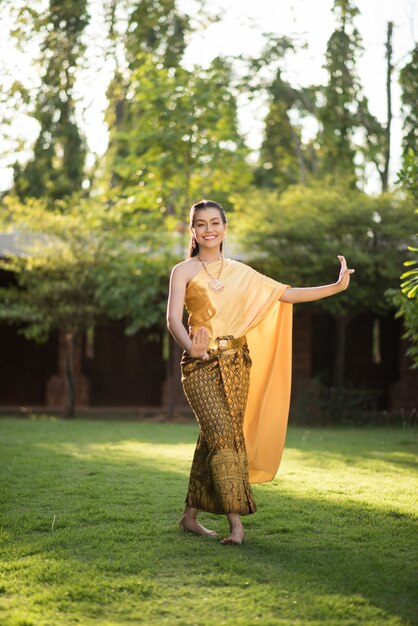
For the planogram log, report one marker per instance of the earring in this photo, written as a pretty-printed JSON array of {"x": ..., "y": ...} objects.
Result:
[{"x": 193, "y": 243}]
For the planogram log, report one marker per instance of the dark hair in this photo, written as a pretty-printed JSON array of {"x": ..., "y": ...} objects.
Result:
[{"x": 203, "y": 204}]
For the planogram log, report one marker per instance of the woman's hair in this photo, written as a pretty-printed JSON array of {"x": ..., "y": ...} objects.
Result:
[{"x": 203, "y": 204}]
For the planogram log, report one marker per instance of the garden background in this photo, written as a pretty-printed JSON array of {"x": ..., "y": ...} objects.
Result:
[
  {"x": 88, "y": 239},
  {"x": 93, "y": 214}
]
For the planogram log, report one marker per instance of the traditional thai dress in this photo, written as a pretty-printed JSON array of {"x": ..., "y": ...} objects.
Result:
[{"x": 241, "y": 395}]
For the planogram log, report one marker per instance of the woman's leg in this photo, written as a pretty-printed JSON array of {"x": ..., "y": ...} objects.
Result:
[
  {"x": 217, "y": 391},
  {"x": 189, "y": 521},
  {"x": 237, "y": 530}
]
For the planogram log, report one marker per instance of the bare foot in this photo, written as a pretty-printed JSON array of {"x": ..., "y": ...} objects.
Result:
[
  {"x": 192, "y": 525},
  {"x": 236, "y": 537}
]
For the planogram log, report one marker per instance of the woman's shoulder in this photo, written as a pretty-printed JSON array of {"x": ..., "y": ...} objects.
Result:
[
  {"x": 185, "y": 269},
  {"x": 240, "y": 265}
]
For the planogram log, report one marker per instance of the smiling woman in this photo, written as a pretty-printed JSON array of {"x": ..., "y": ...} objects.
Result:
[{"x": 239, "y": 320}]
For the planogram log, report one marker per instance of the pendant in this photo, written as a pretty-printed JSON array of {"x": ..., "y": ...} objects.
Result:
[{"x": 216, "y": 285}]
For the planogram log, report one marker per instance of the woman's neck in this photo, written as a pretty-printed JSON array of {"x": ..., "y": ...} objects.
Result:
[{"x": 209, "y": 255}]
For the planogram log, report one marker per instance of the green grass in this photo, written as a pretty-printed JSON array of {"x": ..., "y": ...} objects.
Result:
[{"x": 88, "y": 529}]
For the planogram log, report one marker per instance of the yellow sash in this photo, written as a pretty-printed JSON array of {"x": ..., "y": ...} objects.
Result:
[{"x": 249, "y": 306}]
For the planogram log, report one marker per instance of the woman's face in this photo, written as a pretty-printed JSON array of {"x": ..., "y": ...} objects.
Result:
[{"x": 208, "y": 228}]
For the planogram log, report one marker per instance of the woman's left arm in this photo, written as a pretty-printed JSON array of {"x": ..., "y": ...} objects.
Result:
[{"x": 309, "y": 294}]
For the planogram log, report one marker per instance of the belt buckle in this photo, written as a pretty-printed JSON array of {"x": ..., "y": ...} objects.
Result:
[{"x": 222, "y": 343}]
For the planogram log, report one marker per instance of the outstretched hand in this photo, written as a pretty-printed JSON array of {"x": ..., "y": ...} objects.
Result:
[
  {"x": 344, "y": 277},
  {"x": 200, "y": 343}
]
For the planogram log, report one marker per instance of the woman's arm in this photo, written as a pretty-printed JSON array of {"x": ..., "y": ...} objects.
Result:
[
  {"x": 196, "y": 347},
  {"x": 309, "y": 294}
]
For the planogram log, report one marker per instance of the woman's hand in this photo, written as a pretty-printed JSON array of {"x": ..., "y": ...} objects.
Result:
[
  {"x": 344, "y": 277},
  {"x": 200, "y": 343}
]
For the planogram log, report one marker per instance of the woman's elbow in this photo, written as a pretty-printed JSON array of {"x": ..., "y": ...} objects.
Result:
[
  {"x": 171, "y": 322},
  {"x": 286, "y": 296}
]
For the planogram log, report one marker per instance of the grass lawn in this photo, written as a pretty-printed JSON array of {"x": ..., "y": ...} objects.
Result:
[{"x": 88, "y": 530}]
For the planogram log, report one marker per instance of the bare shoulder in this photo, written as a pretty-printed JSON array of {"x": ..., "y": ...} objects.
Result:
[{"x": 185, "y": 270}]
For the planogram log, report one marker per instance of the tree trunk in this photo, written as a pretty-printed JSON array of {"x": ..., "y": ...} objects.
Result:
[
  {"x": 70, "y": 339},
  {"x": 299, "y": 156},
  {"x": 339, "y": 357},
  {"x": 389, "y": 69}
]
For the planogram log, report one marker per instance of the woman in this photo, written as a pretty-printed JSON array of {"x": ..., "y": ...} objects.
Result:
[{"x": 238, "y": 319}]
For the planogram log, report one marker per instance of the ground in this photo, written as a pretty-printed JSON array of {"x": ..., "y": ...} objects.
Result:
[{"x": 88, "y": 527}]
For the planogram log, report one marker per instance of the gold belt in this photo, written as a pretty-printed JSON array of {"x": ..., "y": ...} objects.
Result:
[{"x": 227, "y": 343}]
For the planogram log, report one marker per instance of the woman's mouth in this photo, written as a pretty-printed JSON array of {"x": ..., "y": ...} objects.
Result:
[{"x": 209, "y": 237}]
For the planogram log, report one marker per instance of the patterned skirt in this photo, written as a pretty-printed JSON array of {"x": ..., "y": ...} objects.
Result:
[{"x": 217, "y": 392}]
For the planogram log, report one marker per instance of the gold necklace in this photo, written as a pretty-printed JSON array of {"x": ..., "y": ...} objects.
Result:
[{"x": 214, "y": 284}]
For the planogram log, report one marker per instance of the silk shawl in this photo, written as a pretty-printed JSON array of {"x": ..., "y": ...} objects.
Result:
[{"x": 249, "y": 305}]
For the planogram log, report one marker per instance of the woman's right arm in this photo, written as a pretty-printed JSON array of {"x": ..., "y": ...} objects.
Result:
[{"x": 196, "y": 347}]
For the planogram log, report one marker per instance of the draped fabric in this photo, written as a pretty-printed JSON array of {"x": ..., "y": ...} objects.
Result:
[{"x": 249, "y": 306}]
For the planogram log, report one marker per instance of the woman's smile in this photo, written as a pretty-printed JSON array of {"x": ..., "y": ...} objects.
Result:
[{"x": 208, "y": 228}]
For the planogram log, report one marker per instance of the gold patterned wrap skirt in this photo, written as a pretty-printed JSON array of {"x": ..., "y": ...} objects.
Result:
[{"x": 217, "y": 392}]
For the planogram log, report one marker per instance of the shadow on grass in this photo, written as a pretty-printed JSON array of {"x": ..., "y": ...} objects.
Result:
[{"x": 116, "y": 516}]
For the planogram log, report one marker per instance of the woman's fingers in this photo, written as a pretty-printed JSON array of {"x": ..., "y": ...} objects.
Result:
[
  {"x": 344, "y": 277},
  {"x": 344, "y": 267},
  {"x": 343, "y": 263},
  {"x": 200, "y": 343},
  {"x": 202, "y": 336}
]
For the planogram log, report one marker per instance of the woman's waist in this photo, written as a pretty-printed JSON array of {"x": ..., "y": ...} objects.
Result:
[{"x": 227, "y": 342}]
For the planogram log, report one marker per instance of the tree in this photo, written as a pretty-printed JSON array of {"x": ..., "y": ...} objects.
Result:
[
  {"x": 407, "y": 299},
  {"x": 284, "y": 159},
  {"x": 56, "y": 169},
  {"x": 408, "y": 176},
  {"x": 156, "y": 27},
  {"x": 153, "y": 30},
  {"x": 338, "y": 114},
  {"x": 170, "y": 126},
  {"x": 84, "y": 264},
  {"x": 181, "y": 140},
  {"x": 300, "y": 232},
  {"x": 377, "y": 135},
  {"x": 408, "y": 79}
]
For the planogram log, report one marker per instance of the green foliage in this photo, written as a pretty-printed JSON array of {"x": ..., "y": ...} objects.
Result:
[
  {"x": 338, "y": 114},
  {"x": 407, "y": 300},
  {"x": 408, "y": 174},
  {"x": 318, "y": 403},
  {"x": 83, "y": 264},
  {"x": 409, "y": 285},
  {"x": 156, "y": 27},
  {"x": 284, "y": 159},
  {"x": 296, "y": 236},
  {"x": 177, "y": 137},
  {"x": 408, "y": 312},
  {"x": 408, "y": 79},
  {"x": 56, "y": 169}
]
